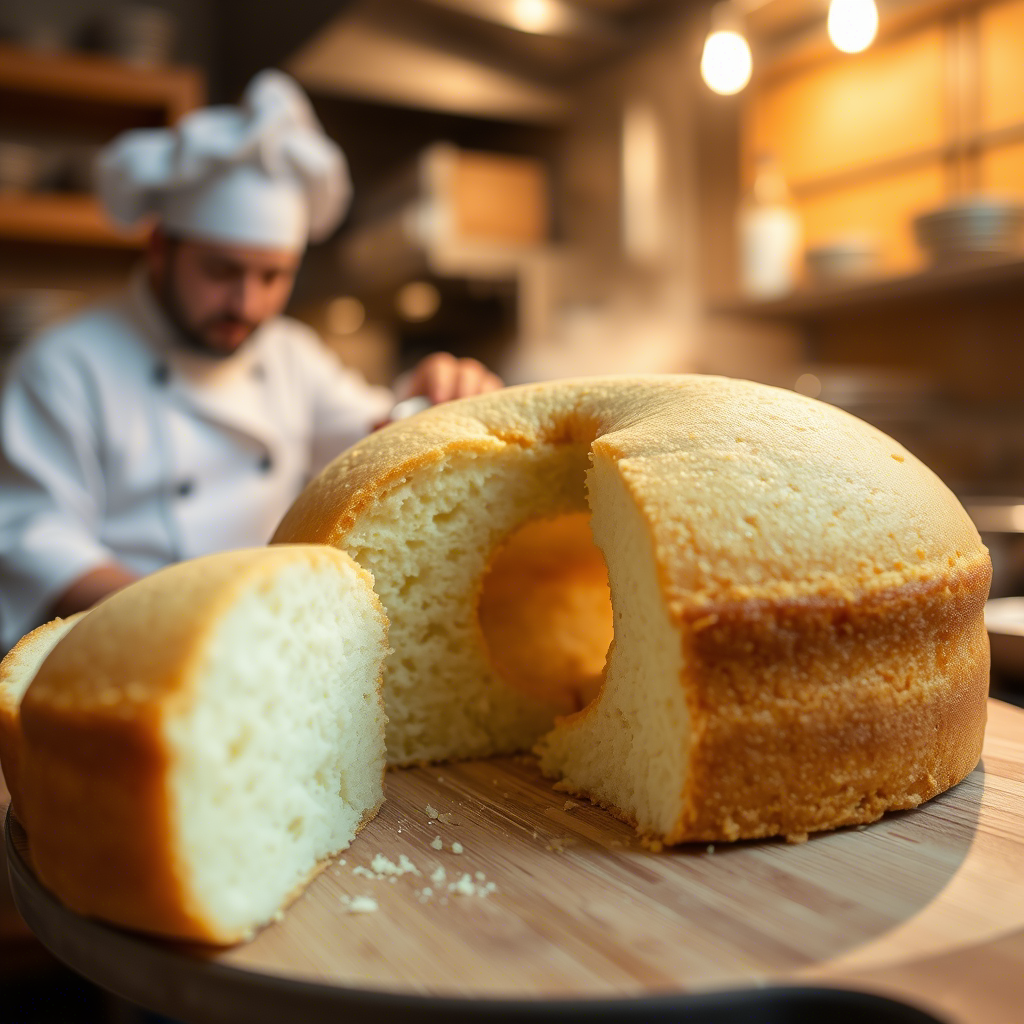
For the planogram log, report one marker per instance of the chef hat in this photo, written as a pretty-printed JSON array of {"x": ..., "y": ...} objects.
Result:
[{"x": 261, "y": 174}]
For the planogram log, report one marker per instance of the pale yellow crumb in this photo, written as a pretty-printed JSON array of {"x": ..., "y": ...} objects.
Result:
[
  {"x": 431, "y": 812},
  {"x": 437, "y": 844},
  {"x": 796, "y": 837},
  {"x": 362, "y": 905},
  {"x": 383, "y": 866},
  {"x": 463, "y": 887},
  {"x": 457, "y": 847},
  {"x": 466, "y": 887},
  {"x": 711, "y": 847},
  {"x": 569, "y": 805}
]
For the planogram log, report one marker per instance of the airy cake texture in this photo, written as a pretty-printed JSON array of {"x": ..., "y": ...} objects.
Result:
[
  {"x": 17, "y": 670},
  {"x": 798, "y": 602},
  {"x": 203, "y": 739}
]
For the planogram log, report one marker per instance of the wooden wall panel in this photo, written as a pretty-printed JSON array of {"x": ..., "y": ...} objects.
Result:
[
  {"x": 882, "y": 104},
  {"x": 1002, "y": 169},
  {"x": 881, "y": 207},
  {"x": 1001, "y": 41}
]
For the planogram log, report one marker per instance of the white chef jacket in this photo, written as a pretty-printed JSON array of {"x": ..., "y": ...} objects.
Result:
[{"x": 118, "y": 443}]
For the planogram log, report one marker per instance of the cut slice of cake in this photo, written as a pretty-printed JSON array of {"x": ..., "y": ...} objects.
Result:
[{"x": 205, "y": 738}]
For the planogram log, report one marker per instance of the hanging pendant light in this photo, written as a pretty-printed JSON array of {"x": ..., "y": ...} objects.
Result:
[
  {"x": 726, "y": 63},
  {"x": 852, "y": 24}
]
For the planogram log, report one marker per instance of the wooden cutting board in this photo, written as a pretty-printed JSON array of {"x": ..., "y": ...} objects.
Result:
[{"x": 562, "y": 900}]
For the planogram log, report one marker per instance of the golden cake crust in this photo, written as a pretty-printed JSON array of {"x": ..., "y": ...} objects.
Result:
[
  {"x": 94, "y": 772},
  {"x": 827, "y": 588},
  {"x": 23, "y": 657}
]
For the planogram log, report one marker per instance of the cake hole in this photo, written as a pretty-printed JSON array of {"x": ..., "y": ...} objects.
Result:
[{"x": 545, "y": 611}]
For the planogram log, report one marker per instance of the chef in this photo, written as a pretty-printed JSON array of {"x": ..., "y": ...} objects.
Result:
[{"x": 185, "y": 415}]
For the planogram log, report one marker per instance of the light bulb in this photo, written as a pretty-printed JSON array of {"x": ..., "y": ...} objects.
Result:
[
  {"x": 537, "y": 16},
  {"x": 852, "y": 24},
  {"x": 726, "y": 63}
]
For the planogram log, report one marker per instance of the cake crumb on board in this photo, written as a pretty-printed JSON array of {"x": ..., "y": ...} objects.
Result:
[
  {"x": 465, "y": 886},
  {"x": 382, "y": 866},
  {"x": 360, "y": 904}
]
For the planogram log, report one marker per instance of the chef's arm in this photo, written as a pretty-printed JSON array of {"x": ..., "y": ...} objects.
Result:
[
  {"x": 52, "y": 492},
  {"x": 91, "y": 587}
]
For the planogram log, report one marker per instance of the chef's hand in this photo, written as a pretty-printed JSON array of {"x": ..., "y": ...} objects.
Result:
[{"x": 441, "y": 377}]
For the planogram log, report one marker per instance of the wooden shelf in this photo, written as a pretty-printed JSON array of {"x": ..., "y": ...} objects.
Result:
[
  {"x": 59, "y": 219},
  {"x": 80, "y": 96},
  {"x": 80, "y": 78},
  {"x": 823, "y": 301}
]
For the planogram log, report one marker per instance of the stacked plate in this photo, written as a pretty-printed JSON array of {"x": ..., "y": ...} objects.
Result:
[
  {"x": 843, "y": 259},
  {"x": 972, "y": 227}
]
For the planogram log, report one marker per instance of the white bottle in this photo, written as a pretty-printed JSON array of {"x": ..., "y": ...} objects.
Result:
[{"x": 770, "y": 235}]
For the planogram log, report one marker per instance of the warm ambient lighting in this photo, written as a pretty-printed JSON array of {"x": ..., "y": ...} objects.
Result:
[
  {"x": 807, "y": 384},
  {"x": 417, "y": 301},
  {"x": 345, "y": 315},
  {"x": 537, "y": 16},
  {"x": 726, "y": 63},
  {"x": 852, "y": 24}
]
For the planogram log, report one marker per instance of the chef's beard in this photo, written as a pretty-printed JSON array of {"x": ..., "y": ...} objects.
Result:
[{"x": 194, "y": 336}]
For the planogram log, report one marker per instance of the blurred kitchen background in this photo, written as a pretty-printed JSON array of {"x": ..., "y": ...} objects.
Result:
[{"x": 563, "y": 187}]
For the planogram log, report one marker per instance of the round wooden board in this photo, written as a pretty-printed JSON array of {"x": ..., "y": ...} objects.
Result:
[{"x": 580, "y": 909}]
